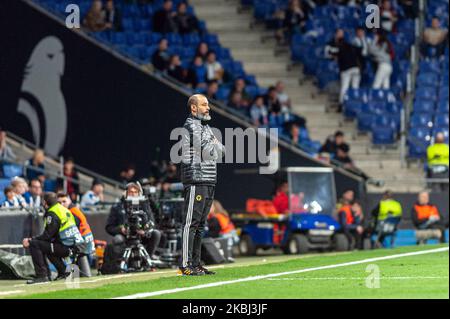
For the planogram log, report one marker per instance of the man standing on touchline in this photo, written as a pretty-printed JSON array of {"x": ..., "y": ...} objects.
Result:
[{"x": 200, "y": 152}]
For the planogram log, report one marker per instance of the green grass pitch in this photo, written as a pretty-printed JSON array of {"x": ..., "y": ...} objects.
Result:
[{"x": 419, "y": 276}]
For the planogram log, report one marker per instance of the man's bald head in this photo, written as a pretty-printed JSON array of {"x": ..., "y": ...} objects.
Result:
[
  {"x": 199, "y": 107},
  {"x": 440, "y": 138}
]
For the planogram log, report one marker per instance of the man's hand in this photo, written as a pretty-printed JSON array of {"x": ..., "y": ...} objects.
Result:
[
  {"x": 360, "y": 229},
  {"x": 26, "y": 242},
  {"x": 141, "y": 232}
]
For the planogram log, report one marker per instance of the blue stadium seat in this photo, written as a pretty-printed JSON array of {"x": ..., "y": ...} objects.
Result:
[
  {"x": 12, "y": 170},
  {"x": 428, "y": 79},
  {"x": 441, "y": 120},
  {"x": 382, "y": 136},
  {"x": 118, "y": 38},
  {"x": 426, "y": 93},
  {"x": 422, "y": 134},
  {"x": 356, "y": 95},
  {"x": 417, "y": 150},
  {"x": 424, "y": 106},
  {"x": 4, "y": 182},
  {"x": 381, "y": 95},
  {"x": 365, "y": 121},
  {"x": 443, "y": 106},
  {"x": 352, "y": 108},
  {"x": 222, "y": 93},
  {"x": 394, "y": 108},
  {"x": 128, "y": 24},
  {"x": 49, "y": 185},
  {"x": 421, "y": 120}
]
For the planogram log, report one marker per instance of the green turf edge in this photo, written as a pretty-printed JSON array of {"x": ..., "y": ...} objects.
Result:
[{"x": 123, "y": 289}]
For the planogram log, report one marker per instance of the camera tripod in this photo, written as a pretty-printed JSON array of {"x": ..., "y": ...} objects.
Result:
[{"x": 134, "y": 256}]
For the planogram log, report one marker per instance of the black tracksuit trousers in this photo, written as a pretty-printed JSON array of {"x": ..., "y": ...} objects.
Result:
[
  {"x": 197, "y": 203},
  {"x": 55, "y": 252}
]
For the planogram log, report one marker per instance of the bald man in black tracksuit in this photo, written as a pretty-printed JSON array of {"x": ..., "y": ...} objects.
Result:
[{"x": 201, "y": 150}]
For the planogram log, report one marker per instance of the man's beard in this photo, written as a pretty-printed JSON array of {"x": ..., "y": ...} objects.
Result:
[{"x": 203, "y": 117}]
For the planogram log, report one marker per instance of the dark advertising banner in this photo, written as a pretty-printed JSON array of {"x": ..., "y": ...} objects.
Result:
[{"x": 73, "y": 97}]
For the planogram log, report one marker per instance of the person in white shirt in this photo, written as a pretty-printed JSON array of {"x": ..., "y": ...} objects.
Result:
[
  {"x": 20, "y": 187},
  {"x": 214, "y": 70},
  {"x": 93, "y": 196}
]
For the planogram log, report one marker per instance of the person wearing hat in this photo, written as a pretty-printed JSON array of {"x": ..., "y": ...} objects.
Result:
[{"x": 117, "y": 219}]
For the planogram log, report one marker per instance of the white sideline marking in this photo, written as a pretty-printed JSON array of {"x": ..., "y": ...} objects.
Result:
[
  {"x": 253, "y": 278},
  {"x": 11, "y": 292},
  {"x": 357, "y": 278},
  {"x": 112, "y": 277}
]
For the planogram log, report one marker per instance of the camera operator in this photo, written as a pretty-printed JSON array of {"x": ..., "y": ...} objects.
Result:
[{"x": 117, "y": 220}]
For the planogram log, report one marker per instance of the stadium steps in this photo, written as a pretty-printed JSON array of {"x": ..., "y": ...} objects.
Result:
[{"x": 259, "y": 58}]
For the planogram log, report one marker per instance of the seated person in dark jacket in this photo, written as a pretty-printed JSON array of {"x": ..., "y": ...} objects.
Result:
[
  {"x": 350, "y": 218},
  {"x": 186, "y": 22},
  {"x": 164, "y": 19},
  {"x": 425, "y": 215},
  {"x": 113, "y": 16},
  {"x": 117, "y": 219},
  {"x": 160, "y": 58},
  {"x": 175, "y": 70}
]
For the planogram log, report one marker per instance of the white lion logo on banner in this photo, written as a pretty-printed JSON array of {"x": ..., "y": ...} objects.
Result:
[{"x": 42, "y": 95}]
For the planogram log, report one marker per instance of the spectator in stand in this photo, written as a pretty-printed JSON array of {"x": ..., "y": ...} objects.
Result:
[
  {"x": 435, "y": 37},
  {"x": 33, "y": 197},
  {"x": 425, "y": 215},
  {"x": 410, "y": 7},
  {"x": 95, "y": 18},
  {"x": 214, "y": 70},
  {"x": 294, "y": 133},
  {"x": 239, "y": 86},
  {"x": 196, "y": 76},
  {"x": 113, "y": 16},
  {"x": 211, "y": 90},
  {"x": 93, "y": 196},
  {"x": 388, "y": 16},
  {"x": 36, "y": 166},
  {"x": 186, "y": 22},
  {"x": 259, "y": 112},
  {"x": 175, "y": 70},
  {"x": 333, "y": 143},
  {"x": 10, "y": 198},
  {"x": 290, "y": 21},
  {"x": 282, "y": 97},
  {"x": 294, "y": 18},
  {"x": 160, "y": 58},
  {"x": 6, "y": 153},
  {"x": 271, "y": 101},
  {"x": 20, "y": 187},
  {"x": 127, "y": 174},
  {"x": 164, "y": 19},
  {"x": 281, "y": 198},
  {"x": 346, "y": 56},
  {"x": 383, "y": 53},
  {"x": 71, "y": 179},
  {"x": 235, "y": 101},
  {"x": 202, "y": 50},
  {"x": 361, "y": 43}
]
